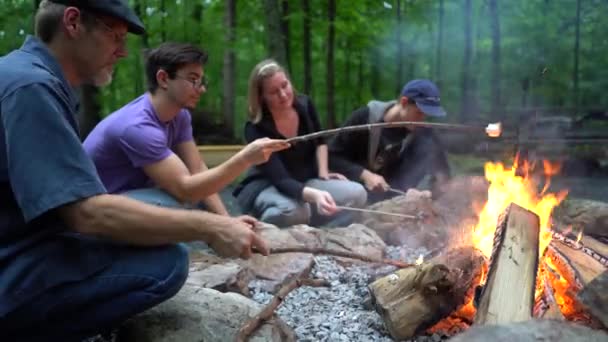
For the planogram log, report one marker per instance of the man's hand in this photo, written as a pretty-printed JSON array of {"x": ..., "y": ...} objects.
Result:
[
  {"x": 250, "y": 220},
  {"x": 374, "y": 182},
  {"x": 236, "y": 238},
  {"x": 323, "y": 199},
  {"x": 259, "y": 150}
]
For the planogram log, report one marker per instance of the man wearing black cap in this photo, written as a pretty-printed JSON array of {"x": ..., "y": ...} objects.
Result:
[
  {"x": 73, "y": 259},
  {"x": 391, "y": 160}
]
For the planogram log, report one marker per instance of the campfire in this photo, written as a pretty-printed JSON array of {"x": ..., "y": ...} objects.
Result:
[{"x": 518, "y": 265}]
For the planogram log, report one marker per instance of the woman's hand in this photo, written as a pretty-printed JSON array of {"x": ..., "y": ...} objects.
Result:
[
  {"x": 323, "y": 199},
  {"x": 331, "y": 175}
]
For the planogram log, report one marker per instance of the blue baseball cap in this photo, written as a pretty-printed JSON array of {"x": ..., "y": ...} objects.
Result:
[
  {"x": 426, "y": 96},
  {"x": 113, "y": 8}
]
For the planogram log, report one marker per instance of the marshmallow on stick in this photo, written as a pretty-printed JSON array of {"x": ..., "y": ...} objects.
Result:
[{"x": 494, "y": 130}]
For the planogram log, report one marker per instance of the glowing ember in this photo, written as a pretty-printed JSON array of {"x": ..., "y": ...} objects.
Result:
[
  {"x": 507, "y": 187},
  {"x": 420, "y": 260},
  {"x": 579, "y": 237}
]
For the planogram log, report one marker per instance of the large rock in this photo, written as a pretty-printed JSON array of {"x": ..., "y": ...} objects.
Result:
[
  {"x": 276, "y": 269},
  {"x": 355, "y": 238},
  {"x": 588, "y": 215},
  {"x": 199, "y": 314},
  {"x": 428, "y": 231},
  {"x": 225, "y": 277},
  {"x": 532, "y": 331}
]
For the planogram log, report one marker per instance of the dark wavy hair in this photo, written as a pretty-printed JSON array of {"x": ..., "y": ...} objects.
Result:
[{"x": 170, "y": 57}]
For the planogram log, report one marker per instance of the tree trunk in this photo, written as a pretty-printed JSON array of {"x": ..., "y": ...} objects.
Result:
[
  {"x": 140, "y": 8},
  {"x": 307, "y": 46},
  {"x": 163, "y": 27},
  {"x": 275, "y": 42},
  {"x": 466, "y": 61},
  {"x": 329, "y": 77},
  {"x": 360, "y": 77},
  {"x": 90, "y": 109},
  {"x": 376, "y": 72},
  {"x": 439, "y": 45},
  {"x": 400, "y": 49},
  {"x": 197, "y": 17},
  {"x": 413, "y": 299},
  {"x": 508, "y": 294},
  {"x": 577, "y": 38},
  {"x": 36, "y": 4},
  {"x": 496, "y": 78},
  {"x": 229, "y": 72},
  {"x": 140, "y": 80},
  {"x": 285, "y": 31}
]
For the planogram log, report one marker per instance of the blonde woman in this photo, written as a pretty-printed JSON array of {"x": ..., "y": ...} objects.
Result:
[{"x": 294, "y": 185}]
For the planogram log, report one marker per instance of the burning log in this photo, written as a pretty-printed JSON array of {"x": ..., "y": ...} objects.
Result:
[
  {"x": 508, "y": 295},
  {"x": 576, "y": 268},
  {"x": 413, "y": 299}
]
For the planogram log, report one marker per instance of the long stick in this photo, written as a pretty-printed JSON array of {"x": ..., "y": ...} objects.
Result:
[
  {"x": 379, "y": 212},
  {"x": 343, "y": 254},
  {"x": 334, "y": 131},
  {"x": 253, "y": 323}
]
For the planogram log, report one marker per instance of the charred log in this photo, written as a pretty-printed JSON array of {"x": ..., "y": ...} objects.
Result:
[{"x": 413, "y": 299}]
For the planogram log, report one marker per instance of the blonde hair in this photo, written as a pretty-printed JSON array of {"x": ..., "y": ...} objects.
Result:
[{"x": 263, "y": 70}]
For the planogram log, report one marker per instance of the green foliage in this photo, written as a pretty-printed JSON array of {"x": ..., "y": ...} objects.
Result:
[{"x": 536, "y": 36}]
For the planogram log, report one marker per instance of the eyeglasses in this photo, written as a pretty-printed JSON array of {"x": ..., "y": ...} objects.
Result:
[
  {"x": 196, "y": 84},
  {"x": 119, "y": 39}
]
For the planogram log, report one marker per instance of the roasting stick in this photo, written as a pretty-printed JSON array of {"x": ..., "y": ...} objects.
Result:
[
  {"x": 493, "y": 130},
  {"x": 397, "y": 191},
  {"x": 409, "y": 217}
]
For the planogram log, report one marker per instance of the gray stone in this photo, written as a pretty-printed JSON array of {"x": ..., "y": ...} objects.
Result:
[
  {"x": 532, "y": 331},
  {"x": 226, "y": 277},
  {"x": 199, "y": 314}
]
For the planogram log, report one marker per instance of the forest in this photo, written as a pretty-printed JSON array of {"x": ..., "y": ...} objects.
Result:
[{"x": 493, "y": 60}]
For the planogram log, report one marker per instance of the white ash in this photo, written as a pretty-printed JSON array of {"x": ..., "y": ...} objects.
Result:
[{"x": 338, "y": 312}]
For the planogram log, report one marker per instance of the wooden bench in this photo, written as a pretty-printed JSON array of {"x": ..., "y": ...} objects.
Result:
[{"x": 217, "y": 154}]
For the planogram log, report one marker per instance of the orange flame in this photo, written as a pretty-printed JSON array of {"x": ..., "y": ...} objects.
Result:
[{"x": 507, "y": 187}]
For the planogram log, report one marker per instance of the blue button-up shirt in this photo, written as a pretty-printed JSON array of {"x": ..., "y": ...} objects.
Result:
[{"x": 42, "y": 166}]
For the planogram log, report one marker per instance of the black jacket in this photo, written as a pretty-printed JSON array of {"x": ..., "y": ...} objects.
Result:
[
  {"x": 287, "y": 170},
  {"x": 349, "y": 152}
]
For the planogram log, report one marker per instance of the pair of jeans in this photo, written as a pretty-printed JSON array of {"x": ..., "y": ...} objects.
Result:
[
  {"x": 137, "y": 279},
  {"x": 274, "y": 207}
]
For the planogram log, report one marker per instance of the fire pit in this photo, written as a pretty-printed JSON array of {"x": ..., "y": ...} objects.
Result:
[{"x": 516, "y": 266}]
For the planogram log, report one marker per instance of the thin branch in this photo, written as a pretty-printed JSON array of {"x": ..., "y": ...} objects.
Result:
[
  {"x": 253, "y": 323},
  {"x": 344, "y": 254},
  {"x": 329, "y": 132},
  {"x": 379, "y": 212}
]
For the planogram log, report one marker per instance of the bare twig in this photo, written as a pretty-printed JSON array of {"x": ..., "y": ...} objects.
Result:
[
  {"x": 379, "y": 212},
  {"x": 329, "y": 132},
  {"x": 253, "y": 323},
  {"x": 344, "y": 254}
]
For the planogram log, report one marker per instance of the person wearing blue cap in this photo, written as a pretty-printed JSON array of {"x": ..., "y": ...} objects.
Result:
[
  {"x": 75, "y": 260},
  {"x": 389, "y": 159}
]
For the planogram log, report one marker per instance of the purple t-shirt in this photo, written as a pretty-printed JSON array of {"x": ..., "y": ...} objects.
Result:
[{"x": 131, "y": 138}]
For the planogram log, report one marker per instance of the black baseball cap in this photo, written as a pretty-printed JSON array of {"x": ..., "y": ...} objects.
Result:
[
  {"x": 113, "y": 8},
  {"x": 426, "y": 96}
]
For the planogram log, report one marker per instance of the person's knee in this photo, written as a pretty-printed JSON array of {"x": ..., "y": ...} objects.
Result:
[
  {"x": 353, "y": 195},
  {"x": 175, "y": 267},
  {"x": 358, "y": 195},
  {"x": 287, "y": 215}
]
